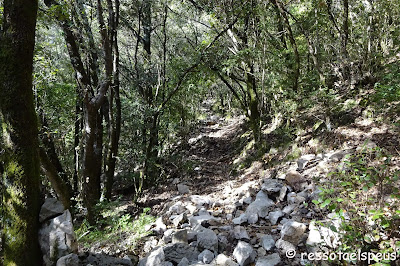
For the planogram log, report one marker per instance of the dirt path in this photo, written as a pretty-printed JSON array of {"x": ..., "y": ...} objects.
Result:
[{"x": 209, "y": 155}]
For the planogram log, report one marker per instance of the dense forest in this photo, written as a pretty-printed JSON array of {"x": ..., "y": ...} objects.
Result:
[{"x": 199, "y": 132}]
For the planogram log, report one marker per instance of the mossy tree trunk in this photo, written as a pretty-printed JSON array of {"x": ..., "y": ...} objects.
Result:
[{"x": 20, "y": 174}]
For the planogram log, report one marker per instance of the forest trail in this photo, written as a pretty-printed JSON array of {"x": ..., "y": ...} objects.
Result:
[
  {"x": 206, "y": 167},
  {"x": 214, "y": 214}
]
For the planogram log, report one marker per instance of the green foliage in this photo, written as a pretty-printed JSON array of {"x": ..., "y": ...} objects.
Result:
[
  {"x": 388, "y": 88},
  {"x": 365, "y": 197},
  {"x": 114, "y": 228}
]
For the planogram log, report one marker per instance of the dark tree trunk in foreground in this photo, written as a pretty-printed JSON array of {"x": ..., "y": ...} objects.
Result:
[{"x": 21, "y": 196}]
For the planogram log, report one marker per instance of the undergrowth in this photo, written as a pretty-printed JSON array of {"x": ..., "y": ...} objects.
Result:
[
  {"x": 365, "y": 197},
  {"x": 114, "y": 228}
]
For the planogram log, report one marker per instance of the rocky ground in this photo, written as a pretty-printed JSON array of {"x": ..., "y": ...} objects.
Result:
[
  {"x": 263, "y": 216},
  {"x": 222, "y": 207}
]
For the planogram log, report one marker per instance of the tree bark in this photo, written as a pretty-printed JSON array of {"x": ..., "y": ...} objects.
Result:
[
  {"x": 21, "y": 195},
  {"x": 114, "y": 115}
]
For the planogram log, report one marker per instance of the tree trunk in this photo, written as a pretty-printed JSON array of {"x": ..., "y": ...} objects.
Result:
[
  {"x": 114, "y": 115},
  {"x": 151, "y": 170},
  {"x": 21, "y": 195},
  {"x": 91, "y": 163},
  {"x": 253, "y": 105},
  {"x": 58, "y": 184}
]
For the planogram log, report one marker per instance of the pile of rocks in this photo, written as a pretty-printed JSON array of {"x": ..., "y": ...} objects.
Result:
[{"x": 262, "y": 221}]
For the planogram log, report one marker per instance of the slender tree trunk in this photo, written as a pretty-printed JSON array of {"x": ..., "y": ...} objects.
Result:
[
  {"x": 58, "y": 184},
  {"x": 152, "y": 171},
  {"x": 77, "y": 137},
  {"x": 50, "y": 152},
  {"x": 114, "y": 115},
  {"x": 21, "y": 195},
  {"x": 344, "y": 40},
  {"x": 253, "y": 105},
  {"x": 296, "y": 68}
]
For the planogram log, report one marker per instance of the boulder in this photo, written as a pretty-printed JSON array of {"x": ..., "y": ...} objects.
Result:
[
  {"x": 57, "y": 238},
  {"x": 51, "y": 208}
]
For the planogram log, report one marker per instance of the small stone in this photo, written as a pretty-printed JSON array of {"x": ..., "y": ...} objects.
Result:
[
  {"x": 284, "y": 246},
  {"x": 293, "y": 198},
  {"x": 176, "y": 252},
  {"x": 274, "y": 216},
  {"x": 168, "y": 235},
  {"x": 303, "y": 160},
  {"x": 261, "y": 205},
  {"x": 180, "y": 236},
  {"x": 160, "y": 226},
  {"x": 282, "y": 193},
  {"x": 199, "y": 200},
  {"x": 295, "y": 179},
  {"x": 293, "y": 231},
  {"x": 155, "y": 258},
  {"x": 68, "y": 260},
  {"x": 201, "y": 219},
  {"x": 244, "y": 253},
  {"x": 338, "y": 156},
  {"x": 267, "y": 242},
  {"x": 184, "y": 262},
  {"x": 206, "y": 256},
  {"x": 252, "y": 218},
  {"x": 240, "y": 233},
  {"x": 270, "y": 260},
  {"x": 223, "y": 260},
  {"x": 180, "y": 219},
  {"x": 271, "y": 186},
  {"x": 241, "y": 219},
  {"x": 368, "y": 145},
  {"x": 207, "y": 239},
  {"x": 289, "y": 208},
  {"x": 177, "y": 208},
  {"x": 261, "y": 252}
]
